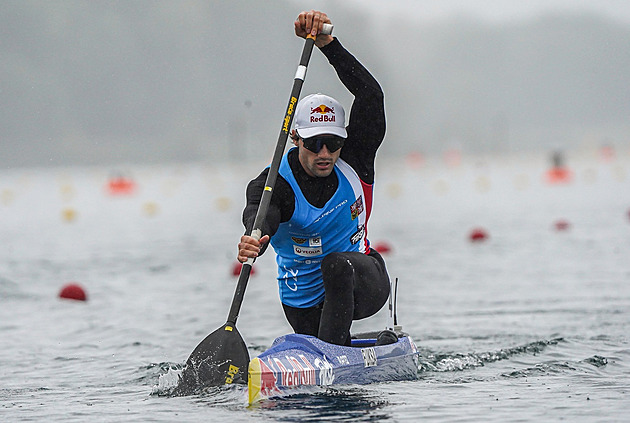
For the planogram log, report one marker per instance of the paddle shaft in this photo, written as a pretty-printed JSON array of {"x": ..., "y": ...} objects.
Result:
[{"x": 270, "y": 182}]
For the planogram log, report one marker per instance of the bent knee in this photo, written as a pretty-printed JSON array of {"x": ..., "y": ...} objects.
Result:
[
  {"x": 337, "y": 263},
  {"x": 336, "y": 266}
]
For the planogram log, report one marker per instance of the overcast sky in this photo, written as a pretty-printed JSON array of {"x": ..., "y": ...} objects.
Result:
[
  {"x": 496, "y": 10},
  {"x": 149, "y": 80}
]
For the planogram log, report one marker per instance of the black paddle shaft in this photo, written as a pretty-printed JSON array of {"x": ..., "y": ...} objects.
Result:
[
  {"x": 222, "y": 357},
  {"x": 270, "y": 182}
]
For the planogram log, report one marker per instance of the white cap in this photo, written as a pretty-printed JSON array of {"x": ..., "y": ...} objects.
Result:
[{"x": 318, "y": 114}]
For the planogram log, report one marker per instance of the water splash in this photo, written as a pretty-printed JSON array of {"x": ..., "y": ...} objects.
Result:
[
  {"x": 542, "y": 369},
  {"x": 168, "y": 378},
  {"x": 597, "y": 361},
  {"x": 452, "y": 362}
]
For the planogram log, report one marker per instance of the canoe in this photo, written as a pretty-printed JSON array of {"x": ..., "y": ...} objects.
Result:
[{"x": 300, "y": 360}]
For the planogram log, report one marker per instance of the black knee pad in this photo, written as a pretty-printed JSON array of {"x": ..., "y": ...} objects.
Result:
[{"x": 336, "y": 266}]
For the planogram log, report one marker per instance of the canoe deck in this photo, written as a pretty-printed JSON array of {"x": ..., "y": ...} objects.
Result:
[{"x": 296, "y": 360}]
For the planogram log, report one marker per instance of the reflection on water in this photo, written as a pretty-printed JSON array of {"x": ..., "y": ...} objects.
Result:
[{"x": 343, "y": 404}]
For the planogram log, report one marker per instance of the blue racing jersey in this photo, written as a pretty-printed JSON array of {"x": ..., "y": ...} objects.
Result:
[{"x": 312, "y": 233}]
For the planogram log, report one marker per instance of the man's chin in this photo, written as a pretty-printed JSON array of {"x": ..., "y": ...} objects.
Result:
[{"x": 322, "y": 173}]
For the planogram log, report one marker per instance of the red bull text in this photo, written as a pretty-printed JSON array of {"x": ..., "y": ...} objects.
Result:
[{"x": 323, "y": 112}]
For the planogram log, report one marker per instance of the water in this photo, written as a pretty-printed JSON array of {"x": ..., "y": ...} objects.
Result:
[{"x": 530, "y": 325}]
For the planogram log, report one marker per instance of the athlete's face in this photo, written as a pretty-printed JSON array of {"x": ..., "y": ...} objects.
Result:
[{"x": 318, "y": 164}]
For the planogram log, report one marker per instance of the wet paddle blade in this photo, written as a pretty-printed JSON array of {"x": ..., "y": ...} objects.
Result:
[{"x": 221, "y": 358}]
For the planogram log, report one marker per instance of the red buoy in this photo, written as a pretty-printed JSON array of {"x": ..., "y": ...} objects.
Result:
[
  {"x": 562, "y": 225},
  {"x": 607, "y": 152},
  {"x": 121, "y": 185},
  {"x": 415, "y": 159},
  {"x": 453, "y": 157},
  {"x": 478, "y": 235},
  {"x": 73, "y": 291},
  {"x": 382, "y": 247},
  {"x": 236, "y": 269},
  {"x": 559, "y": 175}
]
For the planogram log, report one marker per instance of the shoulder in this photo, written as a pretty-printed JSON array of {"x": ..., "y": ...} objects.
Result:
[{"x": 361, "y": 159}]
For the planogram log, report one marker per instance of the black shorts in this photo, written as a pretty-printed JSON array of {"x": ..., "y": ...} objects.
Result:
[{"x": 356, "y": 287}]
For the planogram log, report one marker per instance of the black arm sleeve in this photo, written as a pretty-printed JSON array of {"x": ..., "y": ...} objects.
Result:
[
  {"x": 280, "y": 208},
  {"x": 366, "y": 126}
]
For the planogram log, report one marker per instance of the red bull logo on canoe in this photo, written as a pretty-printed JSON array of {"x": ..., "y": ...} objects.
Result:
[
  {"x": 268, "y": 382},
  {"x": 294, "y": 371},
  {"x": 322, "y": 113}
]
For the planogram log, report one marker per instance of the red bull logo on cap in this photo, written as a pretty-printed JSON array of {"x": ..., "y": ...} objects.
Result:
[{"x": 323, "y": 111}]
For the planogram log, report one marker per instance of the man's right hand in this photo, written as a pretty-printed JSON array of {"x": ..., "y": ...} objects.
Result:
[
  {"x": 249, "y": 247},
  {"x": 312, "y": 22}
]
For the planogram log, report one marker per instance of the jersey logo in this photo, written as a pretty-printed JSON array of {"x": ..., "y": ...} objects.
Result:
[
  {"x": 315, "y": 242},
  {"x": 356, "y": 237},
  {"x": 356, "y": 208},
  {"x": 307, "y": 251},
  {"x": 298, "y": 240},
  {"x": 293, "y": 276}
]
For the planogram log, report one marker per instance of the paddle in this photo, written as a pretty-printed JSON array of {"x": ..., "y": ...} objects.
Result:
[{"x": 222, "y": 357}]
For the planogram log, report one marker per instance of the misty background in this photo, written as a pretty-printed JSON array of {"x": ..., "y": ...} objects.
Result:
[{"x": 106, "y": 82}]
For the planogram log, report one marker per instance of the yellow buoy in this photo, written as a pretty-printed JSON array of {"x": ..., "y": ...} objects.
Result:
[
  {"x": 69, "y": 214},
  {"x": 394, "y": 190},
  {"x": 223, "y": 203},
  {"x": 483, "y": 184},
  {"x": 7, "y": 197},
  {"x": 150, "y": 208},
  {"x": 67, "y": 192},
  {"x": 620, "y": 173}
]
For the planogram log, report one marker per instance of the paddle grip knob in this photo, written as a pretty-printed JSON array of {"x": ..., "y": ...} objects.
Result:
[{"x": 327, "y": 29}]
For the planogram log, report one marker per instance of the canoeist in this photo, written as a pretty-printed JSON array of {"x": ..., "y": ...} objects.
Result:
[{"x": 328, "y": 275}]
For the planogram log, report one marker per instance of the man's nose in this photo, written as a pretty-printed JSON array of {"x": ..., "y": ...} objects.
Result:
[{"x": 324, "y": 152}]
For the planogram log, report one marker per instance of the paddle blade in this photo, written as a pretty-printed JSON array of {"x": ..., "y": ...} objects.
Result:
[{"x": 221, "y": 358}]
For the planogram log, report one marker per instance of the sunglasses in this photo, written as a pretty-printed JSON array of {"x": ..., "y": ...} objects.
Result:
[{"x": 315, "y": 144}]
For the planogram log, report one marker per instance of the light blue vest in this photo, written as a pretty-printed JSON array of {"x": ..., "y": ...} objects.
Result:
[{"x": 312, "y": 233}]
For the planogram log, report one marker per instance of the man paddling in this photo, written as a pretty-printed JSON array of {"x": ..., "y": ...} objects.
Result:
[{"x": 328, "y": 275}]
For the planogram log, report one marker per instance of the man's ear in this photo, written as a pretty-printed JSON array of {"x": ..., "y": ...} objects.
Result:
[{"x": 294, "y": 137}]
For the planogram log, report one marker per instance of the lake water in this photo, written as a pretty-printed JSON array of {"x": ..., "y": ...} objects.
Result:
[{"x": 531, "y": 324}]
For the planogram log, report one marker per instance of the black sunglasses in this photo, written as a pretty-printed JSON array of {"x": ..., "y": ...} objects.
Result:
[{"x": 315, "y": 144}]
